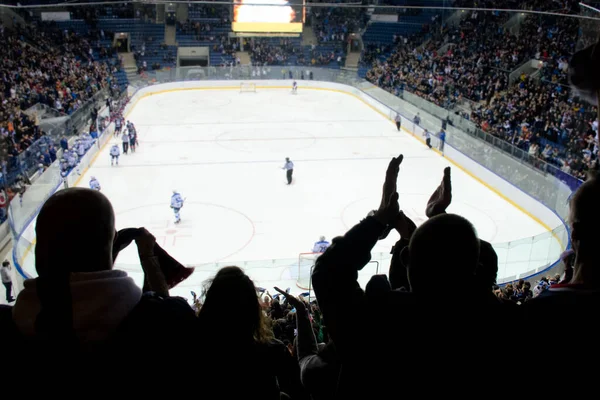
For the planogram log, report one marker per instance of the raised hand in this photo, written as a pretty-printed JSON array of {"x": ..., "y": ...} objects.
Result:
[
  {"x": 441, "y": 198},
  {"x": 145, "y": 243},
  {"x": 293, "y": 300},
  {"x": 404, "y": 225},
  {"x": 389, "y": 207}
]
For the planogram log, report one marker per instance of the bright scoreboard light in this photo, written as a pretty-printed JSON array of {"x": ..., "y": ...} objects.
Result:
[{"x": 268, "y": 16}]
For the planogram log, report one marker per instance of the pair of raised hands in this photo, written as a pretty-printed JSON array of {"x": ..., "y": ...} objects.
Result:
[{"x": 389, "y": 209}]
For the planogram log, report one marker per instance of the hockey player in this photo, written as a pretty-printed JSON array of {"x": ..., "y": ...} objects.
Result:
[
  {"x": 321, "y": 245},
  {"x": 71, "y": 157},
  {"x": 64, "y": 167},
  {"x": 176, "y": 205},
  {"x": 289, "y": 170},
  {"x": 80, "y": 146},
  {"x": 132, "y": 139},
  {"x": 87, "y": 140},
  {"x": 398, "y": 120},
  {"x": 114, "y": 154},
  {"x": 295, "y": 87},
  {"x": 132, "y": 131},
  {"x": 125, "y": 140},
  {"x": 94, "y": 184},
  {"x": 118, "y": 123}
]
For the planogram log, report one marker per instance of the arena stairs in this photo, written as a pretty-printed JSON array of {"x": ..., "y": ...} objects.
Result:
[
  {"x": 244, "y": 57},
  {"x": 352, "y": 60},
  {"x": 308, "y": 36},
  {"x": 129, "y": 66},
  {"x": 170, "y": 33}
]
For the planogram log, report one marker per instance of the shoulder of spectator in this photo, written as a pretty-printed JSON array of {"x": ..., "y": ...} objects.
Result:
[
  {"x": 163, "y": 313},
  {"x": 354, "y": 247}
]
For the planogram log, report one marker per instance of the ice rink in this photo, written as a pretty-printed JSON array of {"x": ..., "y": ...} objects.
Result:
[{"x": 224, "y": 152}]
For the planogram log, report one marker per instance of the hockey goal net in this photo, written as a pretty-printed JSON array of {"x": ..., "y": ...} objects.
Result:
[
  {"x": 306, "y": 263},
  {"x": 247, "y": 88}
]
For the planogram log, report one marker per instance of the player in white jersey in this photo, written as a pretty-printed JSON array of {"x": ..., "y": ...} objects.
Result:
[
  {"x": 176, "y": 205},
  {"x": 94, "y": 184},
  {"x": 321, "y": 245},
  {"x": 125, "y": 140},
  {"x": 114, "y": 154},
  {"x": 294, "y": 87}
]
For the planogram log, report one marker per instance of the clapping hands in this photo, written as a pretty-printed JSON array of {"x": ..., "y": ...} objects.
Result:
[
  {"x": 389, "y": 207},
  {"x": 441, "y": 198}
]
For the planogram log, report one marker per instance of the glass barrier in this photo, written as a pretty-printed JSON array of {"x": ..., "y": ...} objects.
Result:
[
  {"x": 22, "y": 211},
  {"x": 535, "y": 177}
]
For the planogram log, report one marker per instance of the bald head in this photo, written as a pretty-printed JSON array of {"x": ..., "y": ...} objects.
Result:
[
  {"x": 445, "y": 248},
  {"x": 75, "y": 230}
]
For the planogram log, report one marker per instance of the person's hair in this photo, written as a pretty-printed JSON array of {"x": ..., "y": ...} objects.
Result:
[
  {"x": 232, "y": 291},
  {"x": 445, "y": 248},
  {"x": 5, "y": 263}
]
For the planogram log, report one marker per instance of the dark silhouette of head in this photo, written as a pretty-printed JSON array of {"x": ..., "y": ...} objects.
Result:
[
  {"x": 75, "y": 230},
  {"x": 585, "y": 235},
  {"x": 231, "y": 290},
  {"x": 444, "y": 249},
  {"x": 487, "y": 270}
]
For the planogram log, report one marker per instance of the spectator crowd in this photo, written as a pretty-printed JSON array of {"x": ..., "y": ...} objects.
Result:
[
  {"x": 538, "y": 114},
  {"x": 263, "y": 51},
  {"x": 55, "y": 69},
  {"x": 44, "y": 65}
]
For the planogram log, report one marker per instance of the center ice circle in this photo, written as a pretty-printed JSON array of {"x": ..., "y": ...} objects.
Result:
[
  {"x": 261, "y": 139},
  {"x": 207, "y": 232}
]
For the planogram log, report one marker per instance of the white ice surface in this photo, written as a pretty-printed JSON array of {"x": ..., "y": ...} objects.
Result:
[{"x": 224, "y": 151}]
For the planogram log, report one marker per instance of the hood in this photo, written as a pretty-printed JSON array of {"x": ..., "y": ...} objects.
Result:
[{"x": 101, "y": 301}]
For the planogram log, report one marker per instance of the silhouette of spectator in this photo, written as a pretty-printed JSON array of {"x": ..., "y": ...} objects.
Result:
[
  {"x": 240, "y": 357},
  {"x": 79, "y": 310},
  {"x": 404, "y": 332}
]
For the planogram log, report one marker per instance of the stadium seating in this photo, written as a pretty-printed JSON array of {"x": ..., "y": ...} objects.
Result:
[{"x": 383, "y": 32}]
